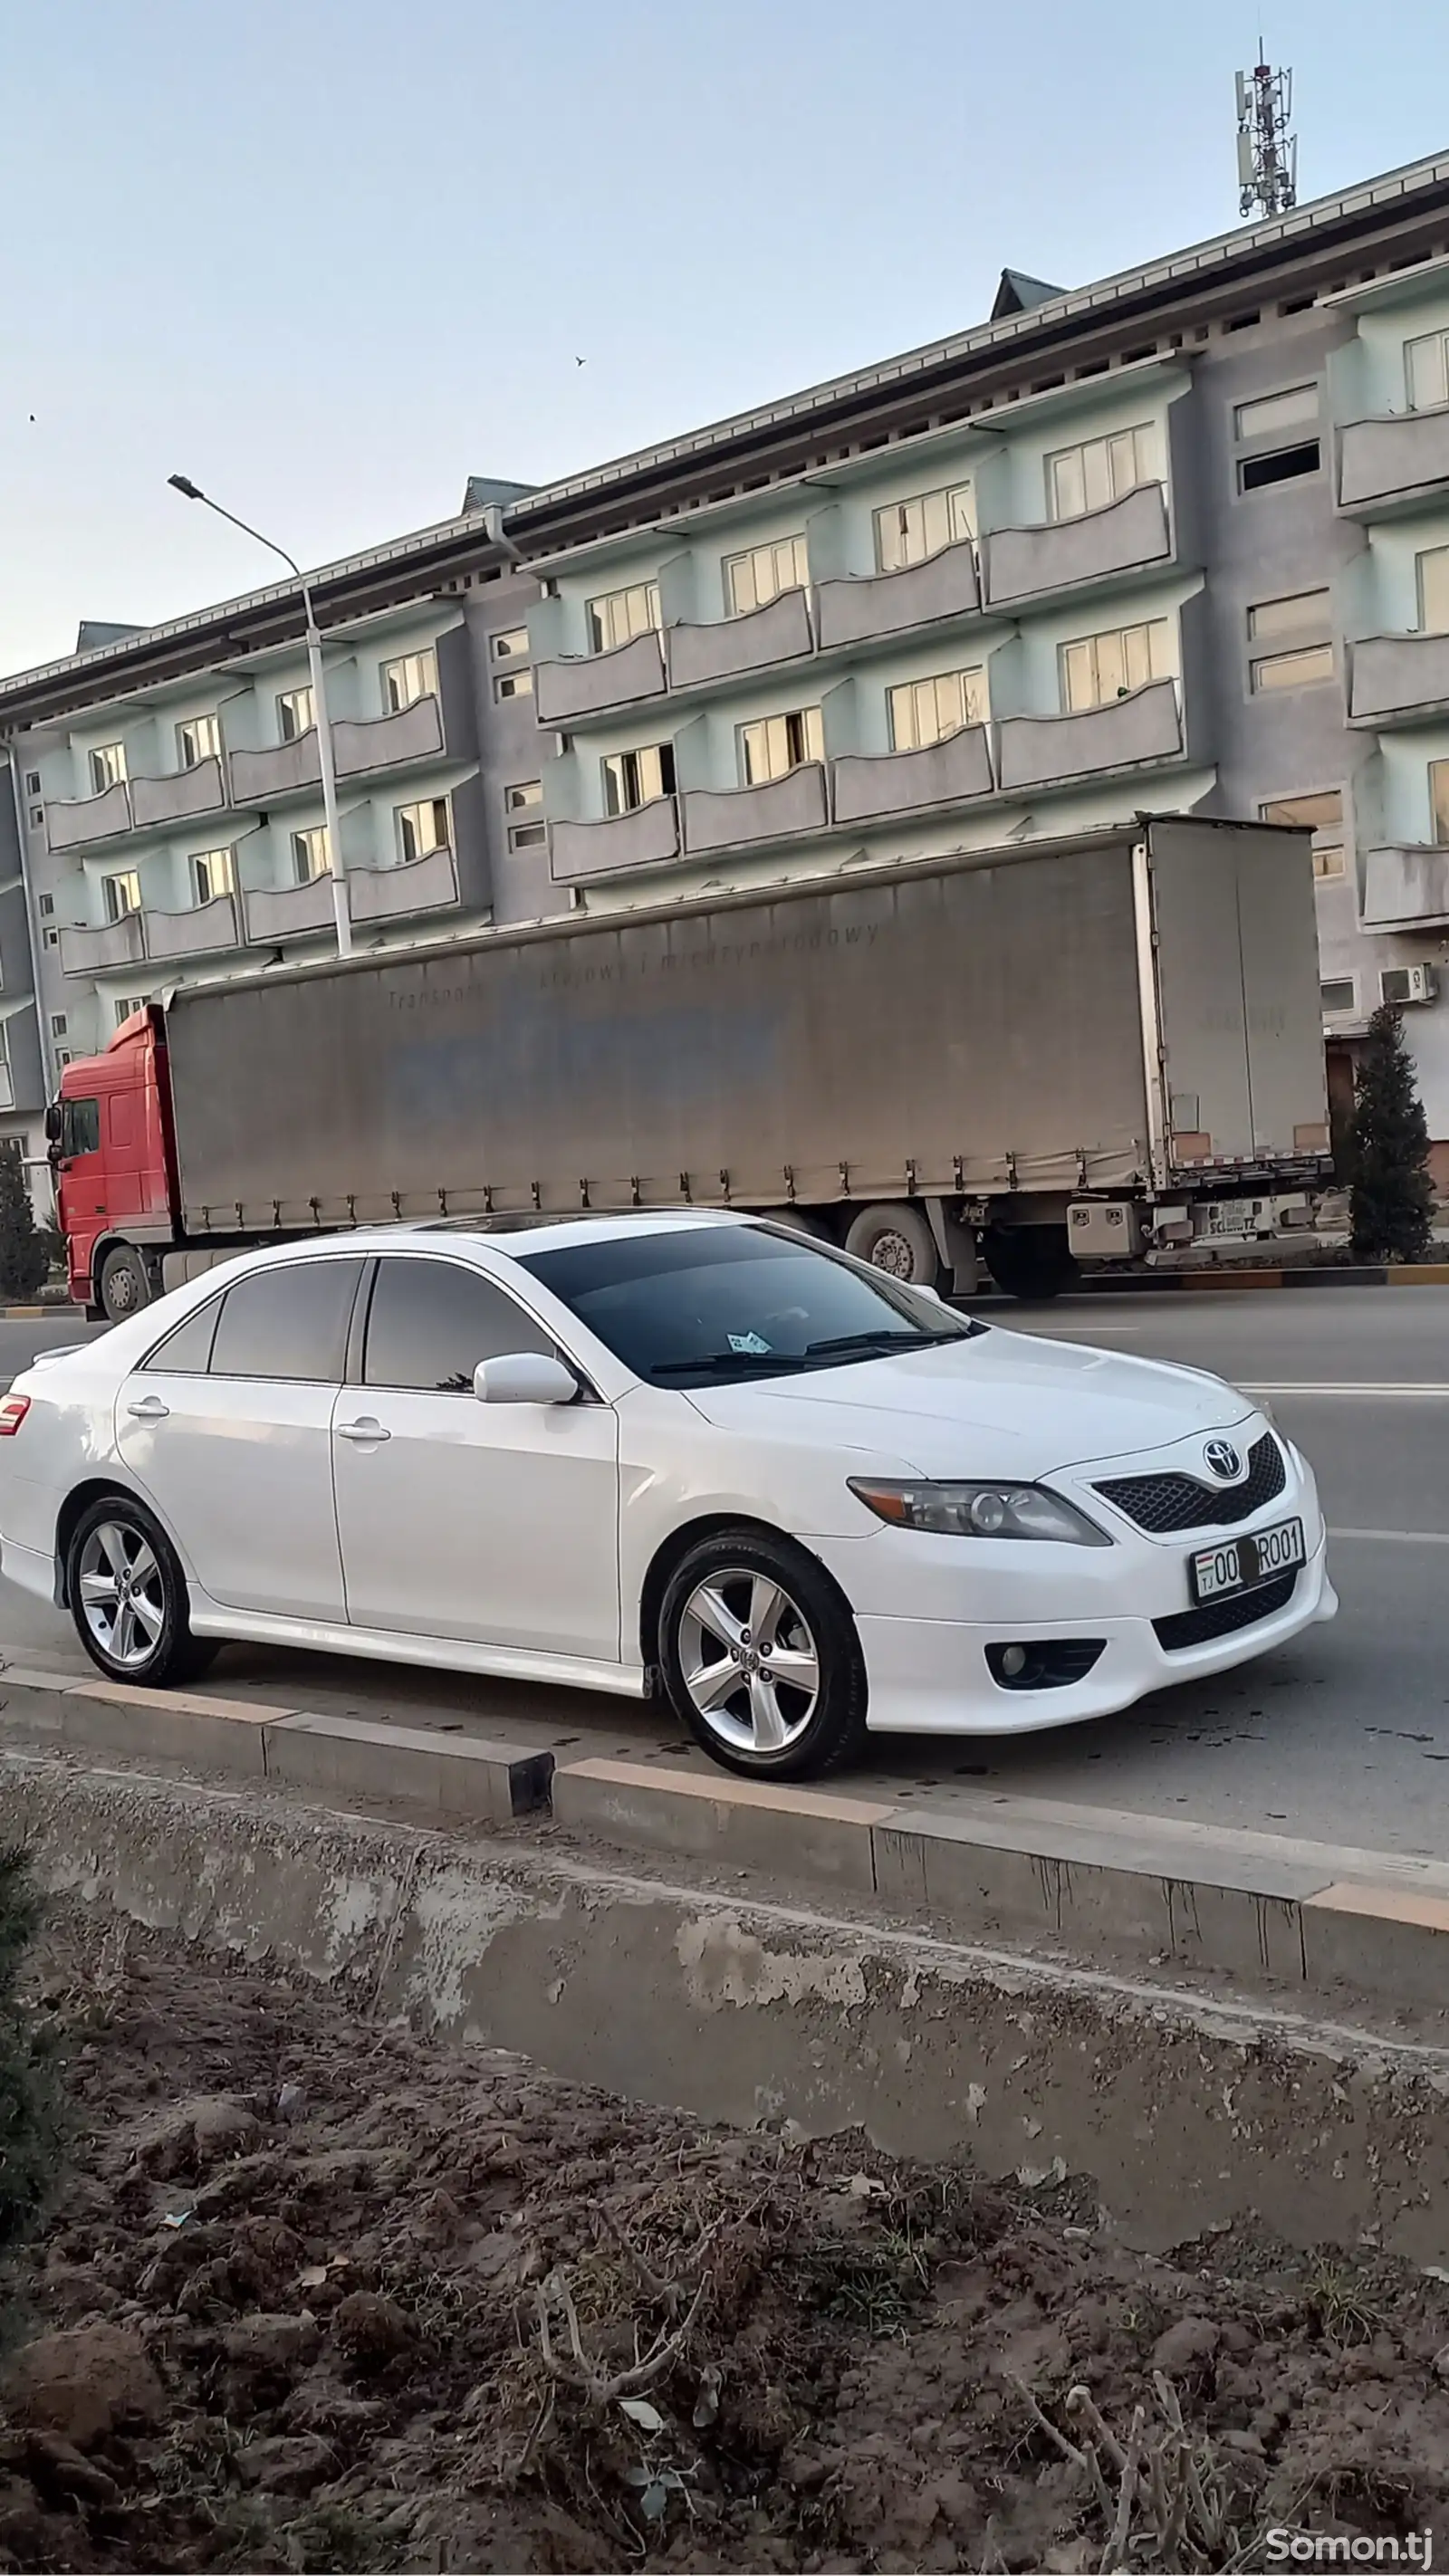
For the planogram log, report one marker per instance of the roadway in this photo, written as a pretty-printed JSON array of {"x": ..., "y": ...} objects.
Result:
[{"x": 1342, "y": 1737}]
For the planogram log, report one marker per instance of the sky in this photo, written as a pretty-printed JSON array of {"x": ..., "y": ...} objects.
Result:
[{"x": 328, "y": 257}]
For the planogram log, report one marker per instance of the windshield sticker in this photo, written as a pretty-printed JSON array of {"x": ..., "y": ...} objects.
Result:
[{"x": 747, "y": 1342}]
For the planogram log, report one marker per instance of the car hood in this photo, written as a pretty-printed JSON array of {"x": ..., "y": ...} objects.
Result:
[{"x": 999, "y": 1404}]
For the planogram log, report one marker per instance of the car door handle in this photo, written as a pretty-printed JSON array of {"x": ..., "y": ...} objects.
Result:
[
  {"x": 149, "y": 1408},
  {"x": 366, "y": 1431}
]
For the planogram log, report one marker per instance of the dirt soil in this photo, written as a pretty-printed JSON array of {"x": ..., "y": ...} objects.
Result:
[{"x": 320, "y": 2295}]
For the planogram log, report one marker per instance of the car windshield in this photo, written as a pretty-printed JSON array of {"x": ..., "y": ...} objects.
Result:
[{"x": 715, "y": 1304}]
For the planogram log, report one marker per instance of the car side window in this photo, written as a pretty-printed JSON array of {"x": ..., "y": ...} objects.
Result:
[
  {"x": 187, "y": 1351},
  {"x": 80, "y": 1128},
  {"x": 288, "y": 1323},
  {"x": 431, "y": 1322}
]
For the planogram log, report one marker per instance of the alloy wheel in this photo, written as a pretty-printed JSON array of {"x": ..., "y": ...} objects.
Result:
[
  {"x": 122, "y": 1592},
  {"x": 749, "y": 1660}
]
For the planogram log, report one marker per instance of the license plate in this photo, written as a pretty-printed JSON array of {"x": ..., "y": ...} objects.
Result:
[{"x": 1237, "y": 1564}]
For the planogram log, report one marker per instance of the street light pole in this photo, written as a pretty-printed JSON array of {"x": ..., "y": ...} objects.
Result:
[{"x": 192, "y": 492}]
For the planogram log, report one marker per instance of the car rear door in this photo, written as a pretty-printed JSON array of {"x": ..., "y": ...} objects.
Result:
[
  {"x": 491, "y": 1523},
  {"x": 228, "y": 1428}
]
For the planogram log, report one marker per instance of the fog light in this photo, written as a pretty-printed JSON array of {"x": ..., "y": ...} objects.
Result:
[{"x": 1013, "y": 1661}]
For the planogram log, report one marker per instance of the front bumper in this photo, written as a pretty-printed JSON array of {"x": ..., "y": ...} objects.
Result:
[{"x": 927, "y": 1609}]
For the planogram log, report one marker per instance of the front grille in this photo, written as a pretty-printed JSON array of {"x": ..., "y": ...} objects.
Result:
[
  {"x": 1183, "y": 1628},
  {"x": 1176, "y": 1502}
]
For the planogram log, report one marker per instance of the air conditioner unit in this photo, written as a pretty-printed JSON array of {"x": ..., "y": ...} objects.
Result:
[{"x": 1402, "y": 984}]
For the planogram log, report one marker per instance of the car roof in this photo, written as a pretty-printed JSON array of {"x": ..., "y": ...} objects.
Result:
[{"x": 514, "y": 1237}]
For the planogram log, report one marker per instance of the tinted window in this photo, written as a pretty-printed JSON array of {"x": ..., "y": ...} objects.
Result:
[
  {"x": 712, "y": 1303},
  {"x": 80, "y": 1127},
  {"x": 290, "y": 1322},
  {"x": 187, "y": 1351},
  {"x": 433, "y": 1321}
]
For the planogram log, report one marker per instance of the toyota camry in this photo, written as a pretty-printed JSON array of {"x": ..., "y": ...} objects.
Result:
[{"x": 695, "y": 1454}]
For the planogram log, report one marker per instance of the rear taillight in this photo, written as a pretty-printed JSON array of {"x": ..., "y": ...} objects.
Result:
[{"x": 12, "y": 1413}]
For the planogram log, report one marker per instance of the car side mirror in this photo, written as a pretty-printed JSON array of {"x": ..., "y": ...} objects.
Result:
[
  {"x": 524, "y": 1377},
  {"x": 52, "y": 1122}
]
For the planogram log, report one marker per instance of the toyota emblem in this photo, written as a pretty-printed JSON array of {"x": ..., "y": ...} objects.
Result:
[{"x": 1221, "y": 1460}]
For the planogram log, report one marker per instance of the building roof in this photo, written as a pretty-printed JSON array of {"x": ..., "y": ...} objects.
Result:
[{"x": 1019, "y": 293}]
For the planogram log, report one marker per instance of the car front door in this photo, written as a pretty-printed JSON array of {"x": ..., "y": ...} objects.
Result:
[
  {"x": 228, "y": 1428},
  {"x": 491, "y": 1523}
]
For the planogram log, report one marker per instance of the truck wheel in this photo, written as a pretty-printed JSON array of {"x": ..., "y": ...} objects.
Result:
[
  {"x": 1029, "y": 1260},
  {"x": 760, "y": 1657},
  {"x": 896, "y": 1238},
  {"x": 125, "y": 1285}
]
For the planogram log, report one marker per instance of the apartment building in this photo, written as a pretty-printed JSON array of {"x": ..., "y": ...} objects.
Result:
[
  {"x": 162, "y": 816},
  {"x": 1176, "y": 541}
]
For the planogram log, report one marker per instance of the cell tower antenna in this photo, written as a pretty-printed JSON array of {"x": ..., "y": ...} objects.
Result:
[{"x": 1267, "y": 152}]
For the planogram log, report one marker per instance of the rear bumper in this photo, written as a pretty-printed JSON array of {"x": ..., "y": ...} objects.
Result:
[
  {"x": 31, "y": 1570},
  {"x": 930, "y": 1676}
]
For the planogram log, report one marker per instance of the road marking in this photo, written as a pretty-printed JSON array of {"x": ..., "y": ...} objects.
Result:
[{"x": 1397, "y": 1538}]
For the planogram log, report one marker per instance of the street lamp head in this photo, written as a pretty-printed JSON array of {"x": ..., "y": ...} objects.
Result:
[{"x": 183, "y": 484}]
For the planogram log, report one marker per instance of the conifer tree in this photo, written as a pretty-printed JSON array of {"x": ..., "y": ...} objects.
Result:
[{"x": 1391, "y": 1203}]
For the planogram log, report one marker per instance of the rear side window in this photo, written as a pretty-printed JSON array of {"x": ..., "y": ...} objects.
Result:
[
  {"x": 187, "y": 1351},
  {"x": 288, "y": 1323},
  {"x": 433, "y": 1321}
]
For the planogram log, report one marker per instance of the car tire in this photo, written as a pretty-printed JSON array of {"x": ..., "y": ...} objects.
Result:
[
  {"x": 896, "y": 1238},
  {"x": 124, "y": 1286},
  {"x": 137, "y": 1630},
  {"x": 741, "y": 1594}
]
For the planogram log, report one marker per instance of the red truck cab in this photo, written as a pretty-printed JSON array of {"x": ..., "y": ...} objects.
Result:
[{"x": 112, "y": 1150}]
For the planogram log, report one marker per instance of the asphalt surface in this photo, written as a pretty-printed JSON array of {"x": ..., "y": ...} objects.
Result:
[{"x": 1341, "y": 1737}]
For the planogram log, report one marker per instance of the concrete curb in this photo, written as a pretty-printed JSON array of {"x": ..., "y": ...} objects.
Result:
[{"x": 1267, "y": 1911}]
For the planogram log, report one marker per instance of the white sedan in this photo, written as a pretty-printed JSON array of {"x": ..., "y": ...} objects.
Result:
[{"x": 696, "y": 1453}]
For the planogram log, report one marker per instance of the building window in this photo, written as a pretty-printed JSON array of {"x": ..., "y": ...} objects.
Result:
[
  {"x": 410, "y": 677},
  {"x": 908, "y": 532},
  {"x": 127, "y": 1005},
  {"x": 121, "y": 894},
  {"x": 927, "y": 711},
  {"x": 198, "y": 739},
  {"x": 510, "y": 644},
  {"x": 1100, "y": 470},
  {"x": 311, "y": 854},
  {"x": 619, "y": 615},
  {"x": 763, "y": 573},
  {"x": 1323, "y": 814},
  {"x": 421, "y": 828},
  {"x": 1338, "y": 997},
  {"x": 1284, "y": 465},
  {"x": 58, "y": 1024},
  {"x": 63, "y": 1057},
  {"x": 1291, "y": 616},
  {"x": 1272, "y": 414},
  {"x": 525, "y": 802},
  {"x": 296, "y": 714},
  {"x": 635, "y": 778},
  {"x": 1439, "y": 800},
  {"x": 1432, "y": 569},
  {"x": 32, "y": 782},
  {"x": 511, "y": 648},
  {"x": 107, "y": 766},
  {"x": 777, "y": 744},
  {"x": 524, "y": 797},
  {"x": 51, "y": 938},
  {"x": 45, "y": 906},
  {"x": 213, "y": 873},
  {"x": 1426, "y": 368},
  {"x": 37, "y": 817},
  {"x": 1304, "y": 669},
  {"x": 1098, "y": 668}
]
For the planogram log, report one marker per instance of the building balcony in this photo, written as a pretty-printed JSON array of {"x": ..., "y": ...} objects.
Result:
[
  {"x": 589, "y": 684},
  {"x": 428, "y": 884},
  {"x": 287, "y": 912},
  {"x": 1406, "y": 887},
  {"x": 1021, "y": 564},
  {"x": 87, "y": 950},
  {"x": 1052, "y": 751},
  {"x": 647, "y": 838},
  {"x": 205, "y": 931},
  {"x": 89, "y": 818},
  {"x": 201, "y": 790},
  {"x": 1398, "y": 678},
  {"x": 889, "y": 603},
  {"x": 779, "y": 632},
  {"x": 728, "y": 818},
  {"x": 260, "y": 777},
  {"x": 909, "y": 782},
  {"x": 388, "y": 742},
  {"x": 1391, "y": 464}
]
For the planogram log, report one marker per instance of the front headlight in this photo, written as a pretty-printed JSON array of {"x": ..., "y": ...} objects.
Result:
[{"x": 980, "y": 1511}]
